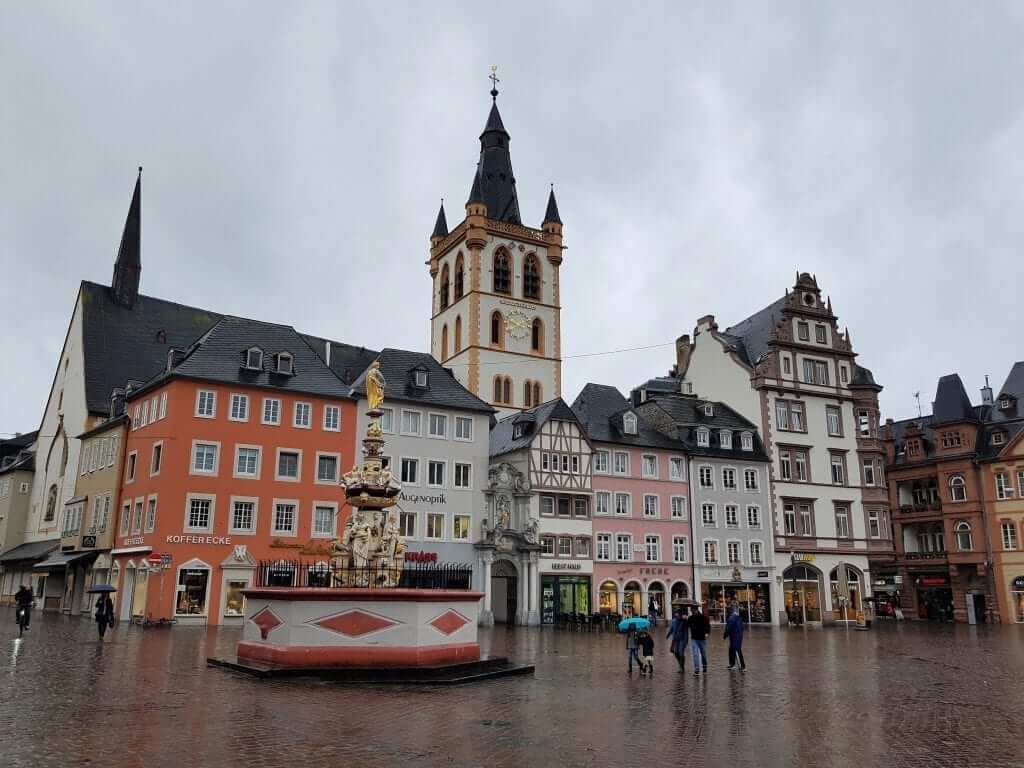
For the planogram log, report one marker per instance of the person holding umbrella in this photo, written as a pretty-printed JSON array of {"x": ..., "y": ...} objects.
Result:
[
  {"x": 680, "y": 635},
  {"x": 104, "y": 607}
]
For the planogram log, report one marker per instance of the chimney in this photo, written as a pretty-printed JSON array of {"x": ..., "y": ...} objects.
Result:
[
  {"x": 116, "y": 402},
  {"x": 986, "y": 394},
  {"x": 683, "y": 351},
  {"x": 174, "y": 358},
  {"x": 327, "y": 353},
  {"x": 706, "y": 323}
]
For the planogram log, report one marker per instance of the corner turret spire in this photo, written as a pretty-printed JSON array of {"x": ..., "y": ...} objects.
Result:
[
  {"x": 551, "y": 214},
  {"x": 128, "y": 268},
  {"x": 441, "y": 225}
]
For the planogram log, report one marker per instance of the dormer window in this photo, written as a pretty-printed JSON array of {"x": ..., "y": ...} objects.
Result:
[
  {"x": 285, "y": 364},
  {"x": 725, "y": 439},
  {"x": 747, "y": 441},
  {"x": 998, "y": 438},
  {"x": 1004, "y": 403},
  {"x": 254, "y": 359},
  {"x": 703, "y": 437},
  {"x": 517, "y": 431},
  {"x": 709, "y": 409},
  {"x": 420, "y": 379},
  {"x": 629, "y": 423}
]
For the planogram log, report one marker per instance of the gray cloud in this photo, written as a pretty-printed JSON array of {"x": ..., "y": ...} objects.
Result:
[{"x": 701, "y": 154}]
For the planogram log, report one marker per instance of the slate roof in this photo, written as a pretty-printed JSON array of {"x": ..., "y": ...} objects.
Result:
[
  {"x": 443, "y": 389},
  {"x": 15, "y": 445},
  {"x": 33, "y": 550},
  {"x": 502, "y": 440},
  {"x": 600, "y": 409},
  {"x": 441, "y": 225},
  {"x": 551, "y": 213},
  {"x": 1013, "y": 387},
  {"x": 494, "y": 183},
  {"x": 24, "y": 462},
  {"x": 219, "y": 354},
  {"x": 688, "y": 415},
  {"x": 347, "y": 361},
  {"x": 749, "y": 337},
  {"x": 121, "y": 343},
  {"x": 951, "y": 401}
]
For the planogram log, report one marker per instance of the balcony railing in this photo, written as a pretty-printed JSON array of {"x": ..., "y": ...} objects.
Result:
[
  {"x": 925, "y": 555},
  {"x": 919, "y": 506}
]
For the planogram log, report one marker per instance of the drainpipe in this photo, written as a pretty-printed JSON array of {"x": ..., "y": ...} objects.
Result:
[
  {"x": 989, "y": 564},
  {"x": 693, "y": 528}
]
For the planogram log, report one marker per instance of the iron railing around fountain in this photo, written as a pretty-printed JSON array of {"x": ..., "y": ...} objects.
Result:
[{"x": 425, "y": 575}]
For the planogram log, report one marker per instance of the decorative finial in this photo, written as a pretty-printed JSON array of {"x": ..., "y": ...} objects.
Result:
[
  {"x": 493, "y": 77},
  {"x": 140, "y": 170}
]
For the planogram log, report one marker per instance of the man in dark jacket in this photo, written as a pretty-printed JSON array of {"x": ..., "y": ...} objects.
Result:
[
  {"x": 734, "y": 633},
  {"x": 646, "y": 643},
  {"x": 680, "y": 635},
  {"x": 104, "y": 613},
  {"x": 23, "y": 599},
  {"x": 699, "y": 627}
]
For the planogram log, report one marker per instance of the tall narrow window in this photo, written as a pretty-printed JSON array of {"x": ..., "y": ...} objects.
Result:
[
  {"x": 528, "y": 394},
  {"x": 497, "y": 389},
  {"x": 531, "y": 277},
  {"x": 444, "y": 286},
  {"x": 444, "y": 342},
  {"x": 537, "y": 336},
  {"x": 502, "y": 273},
  {"x": 458, "y": 334},
  {"x": 459, "y": 279},
  {"x": 497, "y": 328},
  {"x": 506, "y": 390},
  {"x": 536, "y": 393}
]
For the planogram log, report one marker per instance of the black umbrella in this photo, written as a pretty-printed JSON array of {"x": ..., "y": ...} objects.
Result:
[{"x": 101, "y": 588}]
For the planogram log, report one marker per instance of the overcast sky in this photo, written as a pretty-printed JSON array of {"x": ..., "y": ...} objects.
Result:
[{"x": 701, "y": 153}]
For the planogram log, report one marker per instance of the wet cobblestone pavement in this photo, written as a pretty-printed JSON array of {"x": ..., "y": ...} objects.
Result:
[{"x": 899, "y": 695}]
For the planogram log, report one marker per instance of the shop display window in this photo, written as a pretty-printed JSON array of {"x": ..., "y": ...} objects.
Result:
[
  {"x": 234, "y": 600},
  {"x": 193, "y": 585}
]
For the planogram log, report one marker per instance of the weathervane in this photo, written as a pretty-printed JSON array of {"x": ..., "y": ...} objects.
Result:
[{"x": 493, "y": 77}]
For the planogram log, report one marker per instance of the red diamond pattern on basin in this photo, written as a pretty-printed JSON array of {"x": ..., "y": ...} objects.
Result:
[
  {"x": 449, "y": 622},
  {"x": 355, "y": 623},
  {"x": 266, "y": 620}
]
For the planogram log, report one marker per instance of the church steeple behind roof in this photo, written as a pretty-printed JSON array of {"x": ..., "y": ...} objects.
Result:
[
  {"x": 124, "y": 286},
  {"x": 497, "y": 183}
]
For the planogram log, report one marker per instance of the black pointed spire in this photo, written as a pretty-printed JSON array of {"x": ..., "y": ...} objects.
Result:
[
  {"x": 494, "y": 184},
  {"x": 441, "y": 225},
  {"x": 128, "y": 268},
  {"x": 551, "y": 214}
]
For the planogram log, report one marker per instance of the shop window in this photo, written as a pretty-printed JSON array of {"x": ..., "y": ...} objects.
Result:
[
  {"x": 193, "y": 585},
  {"x": 234, "y": 600}
]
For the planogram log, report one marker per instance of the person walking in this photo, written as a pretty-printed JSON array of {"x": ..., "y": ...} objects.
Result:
[
  {"x": 680, "y": 635},
  {"x": 631, "y": 648},
  {"x": 699, "y": 627},
  {"x": 23, "y": 600},
  {"x": 104, "y": 613},
  {"x": 734, "y": 633},
  {"x": 646, "y": 643}
]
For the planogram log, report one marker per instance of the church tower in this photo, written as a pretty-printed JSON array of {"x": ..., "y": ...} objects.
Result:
[{"x": 496, "y": 308}]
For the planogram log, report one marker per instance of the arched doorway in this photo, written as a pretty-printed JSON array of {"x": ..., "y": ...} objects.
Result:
[
  {"x": 128, "y": 592},
  {"x": 609, "y": 597},
  {"x": 802, "y": 588},
  {"x": 504, "y": 591},
  {"x": 632, "y": 600},
  {"x": 845, "y": 583},
  {"x": 656, "y": 598}
]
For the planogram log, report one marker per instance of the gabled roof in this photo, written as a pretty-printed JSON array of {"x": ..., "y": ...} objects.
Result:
[
  {"x": 750, "y": 337},
  {"x": 503, "y": 439},
  {"x": 443, "y": 389},
  {"x": 121, "y": 343},
  {"x": 600, "y": 408},
  {"x": 688, "y": 415},
  {"x": 218, "y": 356},
  {"x": 347, "y": 361}
]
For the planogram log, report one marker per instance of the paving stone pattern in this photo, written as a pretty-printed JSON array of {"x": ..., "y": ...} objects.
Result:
[{"x": 899, "y": 695}]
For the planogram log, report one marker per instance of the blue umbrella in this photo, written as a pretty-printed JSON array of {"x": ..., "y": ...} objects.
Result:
[
  {"x": 637, "y": 622},
  {"x": 101, "y": 588}
]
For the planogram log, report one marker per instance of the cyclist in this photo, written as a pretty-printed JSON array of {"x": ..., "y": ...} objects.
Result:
[{"x": 24, "y": 599}]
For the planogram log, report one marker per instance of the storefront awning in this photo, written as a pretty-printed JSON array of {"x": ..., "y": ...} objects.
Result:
[
  {"x": 34, "y": 550},
  {"x": 60, "y": 559},
  {"x": 130, "y": 550}
]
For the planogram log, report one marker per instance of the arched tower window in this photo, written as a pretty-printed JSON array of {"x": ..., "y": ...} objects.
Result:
[
  {"x": 503, "y": 390},
  {"x": 444, "y": 286},
  {"x": 51, "y": 504},
  {"x": 444, "y": 342},
  {"x": 506, "y": 390},
  {"x": 502, "y": 272},
  {"x": 528, "y": 394},
  {"x": 536, "y": 393},
  {"x": 459, "y": 279},
  {"x": 497, "y": 328},
  {"x": 964, "y": 540},
  {"x": 537, "y": 336},
  {"x": 497, "y": 389},
  {"x": 458, "y": 334},
  {"x": 531, "y": 277},
  {"x": 957, "y": 488}
]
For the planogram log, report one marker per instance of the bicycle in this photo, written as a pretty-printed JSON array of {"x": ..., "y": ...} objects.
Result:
[{"x": 22, "y": 620}]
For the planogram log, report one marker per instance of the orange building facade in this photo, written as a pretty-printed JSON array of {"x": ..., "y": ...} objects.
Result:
[{"x": 218, "y": 477}]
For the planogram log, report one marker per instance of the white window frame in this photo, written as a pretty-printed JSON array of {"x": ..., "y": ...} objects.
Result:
[
  {"x": 210, "y": 497},
  {"x": 649, "y": 539},
  {"x": 277, "y": 465},
  {"x": 739, "y": 552},
  {"x": 126, "y": 518},
  {"x": 760, "y": 518},
  {"x": 725, "y": 516},
  {"x": 700, "y": 476},
  {"x": 295, "y": 519},
  {"x": 426, "y": 525},
  {"x": 302, "y": 404},
  {"x": 163, "y": 405},
  {"x": 152, "y": 455},
  {"x": 419, "y": 478},
  {"x": 336, "y": 410},
  {"x": 337, "y": 468},
  {"x": 263, "y": 412},
  {"x": 704, "y": 552},
  {"x": 680, "y": 544},
  {"x": 644, "y": 458},
  {"x": 651, "y": 512},
  {"x": 259, "y": 462},
  {"x": 603, "y": 537},
  {"x": 750, "y": 552},
  {"x": 867, "y": 469},
  {"x": 131, "y": 466},
  {"x": 401, "y": 425},
  {"x": 725, "y": 439},
  {"x": 216, "y": 458},
  {"x": 629, "y": 423},
  {"x": 629, "y": 504},
  {"x": 463, "y": 420},
  {"x": 1009, "y": 542},
  {"x": 213, "y": 398},
  {"x": 455, "y": 475},
  {"x": 238, "y": 397},
  {"x": 681, "y": 463},
  {"x": 138, "y": 514},
  {"x": 714, "y": 514},
  {"x": 627, "y": 539},
  {"x": 444, "y": 418},
  {"x": 615, "y": 463},
  {"x": 746, "y": 441},
  {"x": 408, "y": 514},
  {"x": 606, "y": 470},
  {"x": 469, "y": 527},
  {"x": 444, "y": 473},
  {"x": 735, "y": 480},
  {"x": 703, "y": 437},
  {"x": 672, "y": 504},
  {"x": 607, "y": 497},
  {"x": 255, "y": 501},
  {"x": 333, "y": 506},
  {"x": 390, "y": 413}
]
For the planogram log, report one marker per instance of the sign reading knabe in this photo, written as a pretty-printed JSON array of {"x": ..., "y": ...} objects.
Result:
[
  {"x": 423, "y": 498},
  {"x": 566, "y": 566},
  {"x": 177, "y": 539}
]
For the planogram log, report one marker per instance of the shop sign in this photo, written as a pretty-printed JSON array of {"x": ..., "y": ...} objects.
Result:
[
  {"x": 802, "y": 557},
  {"x": 654, "y": 572},
  {"x": 1018, "y": 583},
  {"x": 89, "y": 542},
  {"x": 421, "y": 557},
  {"x": 933, "y": 581},
  {"x": 423, "y": 498},
  {"x": 762, "y": 574},
  {"x": 179, "y": 539},
  {"x": 134, "y": 541},
  {"x": 561, "y": 566}
]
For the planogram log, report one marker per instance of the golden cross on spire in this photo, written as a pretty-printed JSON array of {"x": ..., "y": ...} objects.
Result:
[{"x": 493, "y": 77}]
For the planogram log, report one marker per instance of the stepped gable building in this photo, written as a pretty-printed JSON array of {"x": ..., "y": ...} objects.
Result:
[
  {"x": 438, "y": 448},
  {"x": 789, "y": 369},
  {"x": 234, "y": 456},
  {"x": 495, "y": 316},
  {"x": 641, "y": 518},
  {"x": 117, "y": 338},
  {"x": 729, "y": 497},
  {"x": 535, "y": 546},
  {"x": 956, "y": 480}
]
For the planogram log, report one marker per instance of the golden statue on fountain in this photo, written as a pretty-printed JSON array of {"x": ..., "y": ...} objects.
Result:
[{"x": 370, "y": 552}]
